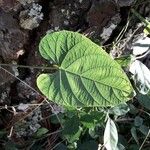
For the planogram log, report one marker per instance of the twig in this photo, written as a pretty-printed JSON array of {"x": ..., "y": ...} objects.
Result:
[
  {"x": 122, "y": 33},
  {"x": 11, "y": 130},
  {"x": 140, "y": 17},
  {"x": 34, "y": 91},
  {"x": 128, "y": 39},
  {"x": 58, "y": 144},
  {"x": 54, "y": 67},
  {"x": 145, "y": 140}
]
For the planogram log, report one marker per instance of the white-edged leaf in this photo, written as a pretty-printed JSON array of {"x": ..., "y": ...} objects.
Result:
[
  {"x": 141, "y": 46},
  {"x": 110, "y": 135},
  {"x": 141, "y": 76}
]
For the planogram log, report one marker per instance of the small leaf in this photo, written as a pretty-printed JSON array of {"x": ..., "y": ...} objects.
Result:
[
  {"x": 134, "y": 134},
  {"x": 72, "y": 129},
  {"x": 133, "y": 109},
  {"x": 95, "y": 132},
  {"x": 138, "y": 121},
  {"x": 144, "y": 129},
  {"x": 141, "y": 76},
  {"x": 91, "y": 119},
  {"x": 119, "y": 110},
  {"x": 41, "y": 132},
  {"x": 88, "y": 121},
  {"x": 110, "y": 135},
  {"x": 124, "y": 61},
  {"x": 98, "y": 116},
  {"x": 144, "y": 100},
  {"x": 86, "y": 75}
]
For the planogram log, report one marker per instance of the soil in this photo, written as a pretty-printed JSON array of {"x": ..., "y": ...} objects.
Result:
[{"x": 22, "y": 24}]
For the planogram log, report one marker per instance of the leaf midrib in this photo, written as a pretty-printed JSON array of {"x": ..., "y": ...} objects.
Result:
[{"x": 63, "y": 70}]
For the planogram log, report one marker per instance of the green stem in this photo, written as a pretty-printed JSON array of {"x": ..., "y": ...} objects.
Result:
[{"x": 140, "y": 17}]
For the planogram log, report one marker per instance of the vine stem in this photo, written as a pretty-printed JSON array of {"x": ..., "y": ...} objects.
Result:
[{"x": 54, "y": 67}]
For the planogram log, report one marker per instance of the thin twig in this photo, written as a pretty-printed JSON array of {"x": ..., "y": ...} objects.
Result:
[
  {"x": 11, "y": 131},
  {"x": 145, "y": 140},
  {"x": 58, "y": 144},
  {"x": 122, "y": 33},
  {"x": 128, "y": 39},
  {"x": 54, "y": 67},
  {"x": 34, "y": 91}
]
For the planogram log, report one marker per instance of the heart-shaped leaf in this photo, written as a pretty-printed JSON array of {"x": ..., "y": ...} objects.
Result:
[{"x": 86, "y": 74}]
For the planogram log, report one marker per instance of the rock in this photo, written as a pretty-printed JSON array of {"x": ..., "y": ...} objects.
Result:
[
  {"x": 12, "y": 39},
  {"x": 8, "y": 5},
  {"x": 56, "y": 18},
  {"x": 23, "y": 107},
  {"x": 99, "y": 15},
  {"x": 25, "y": 93},
  {"x": 124, "y": 3},
  {"x": 4, "y": 94},
  {"x": 5, "y": 82},
  {"x": 30, "y": 126},
  {"x": 84, "y": 5},
  {"x": 107, "y": 31},
  {"x": 70, "y": 15},
  {"x": 31, "y": 18},
  {"x": 26, "y": 2},
  {"x": 59, "y": 2}
]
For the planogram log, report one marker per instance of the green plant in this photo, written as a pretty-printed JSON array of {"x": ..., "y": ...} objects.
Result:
[
  {"x": 86, "y": 81},
  {"x": 85, "y": 74}
]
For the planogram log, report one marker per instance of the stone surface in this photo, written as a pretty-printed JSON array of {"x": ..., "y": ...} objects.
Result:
[
  {"x": 12, "y": 39},
  {"x": 26, "y": 2},
  {"x": 69, "y": 14},
  {"x": 99, "y": 15},
  {"x": 107, "y": 31},
  {"x": 8, "y": 5},
  {"x": 123, "y": 3},
  {"x": 30, "y": 18}
]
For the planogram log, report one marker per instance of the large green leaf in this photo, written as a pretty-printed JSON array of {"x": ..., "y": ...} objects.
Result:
[{"x": 86, "y": 74}]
